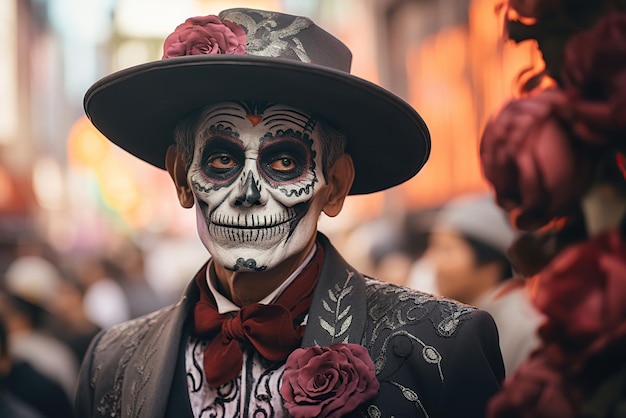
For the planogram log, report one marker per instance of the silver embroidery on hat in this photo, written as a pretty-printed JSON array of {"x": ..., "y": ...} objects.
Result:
[{"x": 263, "y": 37}]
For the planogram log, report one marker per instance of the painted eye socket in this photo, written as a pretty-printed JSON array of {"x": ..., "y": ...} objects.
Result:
[
  {"x": 284, "y": 161},
  {"x": 221, "y": 158},
  {"x": 221, "y": 162},
  {"x": 283, "y": 164}
]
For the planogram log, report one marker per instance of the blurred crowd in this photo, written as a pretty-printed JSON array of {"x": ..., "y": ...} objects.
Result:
[{"x": 52, "y": 305}]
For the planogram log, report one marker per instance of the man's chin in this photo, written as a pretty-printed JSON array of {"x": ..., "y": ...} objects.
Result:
[
  {"x": 254, "y": 257},
  {"x": 247, "y": 261}
]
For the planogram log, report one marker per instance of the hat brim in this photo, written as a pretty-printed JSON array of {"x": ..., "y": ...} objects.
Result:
[{"x": 138, "y": 108}]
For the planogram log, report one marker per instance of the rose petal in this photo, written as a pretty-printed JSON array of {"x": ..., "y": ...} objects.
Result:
[
  {"x": 535, "y": 390},
  {"x": 528, "y": 157}
]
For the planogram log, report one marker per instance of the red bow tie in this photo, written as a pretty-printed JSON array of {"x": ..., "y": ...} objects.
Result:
[{"x": 273, "y": 330}]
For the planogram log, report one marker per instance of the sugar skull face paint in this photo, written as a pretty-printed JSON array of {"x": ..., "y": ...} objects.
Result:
[{"x": 255, "y": 175}]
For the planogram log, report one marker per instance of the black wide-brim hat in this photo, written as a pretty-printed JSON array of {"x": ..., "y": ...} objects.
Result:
[{"x": 287, "y": 60}]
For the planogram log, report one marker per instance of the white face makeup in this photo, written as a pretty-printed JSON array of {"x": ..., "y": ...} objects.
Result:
[{"x": 254, "y": 176}]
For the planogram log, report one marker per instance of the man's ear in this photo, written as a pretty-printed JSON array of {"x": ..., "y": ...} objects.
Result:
[
  {"x": 178, "y": 171},
  {"x": 340, "y": 178}
]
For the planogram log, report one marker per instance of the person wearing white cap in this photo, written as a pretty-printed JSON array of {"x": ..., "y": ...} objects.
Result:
[{"x": 467, "y": 248}]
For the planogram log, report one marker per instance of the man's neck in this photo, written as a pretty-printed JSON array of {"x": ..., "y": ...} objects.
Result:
[{"x": 246, "y": 287}]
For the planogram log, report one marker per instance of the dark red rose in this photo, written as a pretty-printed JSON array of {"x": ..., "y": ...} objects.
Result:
[
  {"x": 328, "y": 381},
  {"x": 534, "y": 8},
  {"x": 537, "y": 170},
  {"x": 594, "y": 74},
  {"x": 535, "y": 390},
  {"x": 583, "y": 294},
  {"x": 205, "y": 35}
]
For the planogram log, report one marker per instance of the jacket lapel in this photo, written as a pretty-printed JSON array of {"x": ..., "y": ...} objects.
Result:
[
  {"x": 338, "y": 309},
  {"x": 149, "y": 377}
]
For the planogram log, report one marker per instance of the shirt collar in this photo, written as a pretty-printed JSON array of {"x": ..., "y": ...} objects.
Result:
[{"x": 225, "y": 305}]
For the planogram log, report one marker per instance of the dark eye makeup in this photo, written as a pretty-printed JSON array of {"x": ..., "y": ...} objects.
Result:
[
  {"x": 284, "y": 160},
  {"x": 222, "y": 159}
]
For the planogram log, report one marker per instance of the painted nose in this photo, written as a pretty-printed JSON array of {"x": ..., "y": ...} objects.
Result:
[{"x": 250, "y": 193}]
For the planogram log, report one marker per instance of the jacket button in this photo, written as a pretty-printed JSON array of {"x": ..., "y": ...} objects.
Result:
[{"x": 403, "y": 346}]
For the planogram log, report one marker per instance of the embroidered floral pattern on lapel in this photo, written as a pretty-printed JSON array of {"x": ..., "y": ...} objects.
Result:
[
  {"x": 144, "y": 372},
  {"x": 338, "y": 318},
  {"x": 133, "y": 333}
]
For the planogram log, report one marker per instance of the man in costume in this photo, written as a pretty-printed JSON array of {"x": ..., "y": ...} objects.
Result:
[{"x": 255, "y": 116}]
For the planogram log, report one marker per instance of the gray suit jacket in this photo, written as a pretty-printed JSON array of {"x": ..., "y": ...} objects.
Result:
[{"x": 434, "y": 357}]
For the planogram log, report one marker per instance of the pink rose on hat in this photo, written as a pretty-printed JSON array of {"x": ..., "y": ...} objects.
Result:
[
  {"x": 328, "y": 381},
  {"x": 205, "y": 35}
]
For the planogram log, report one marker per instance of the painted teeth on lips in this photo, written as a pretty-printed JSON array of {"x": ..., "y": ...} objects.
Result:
[{"x": 252, "y": 221}]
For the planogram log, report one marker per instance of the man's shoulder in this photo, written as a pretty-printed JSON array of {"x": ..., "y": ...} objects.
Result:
[
  {"x": 393, "y": 304},
  {"x": 131, "y": 332},
  {"x": 425, "y": 348}
]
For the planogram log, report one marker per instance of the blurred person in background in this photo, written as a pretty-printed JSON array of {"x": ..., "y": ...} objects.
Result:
[
  {"x": 105, "y": 303},
  {"x": 467, "y": 249},
  {"x": 68, "y": 320},
  {"x": 116, "y": 285},
  {"x": 10, "y": 405},
  {"x": 390, "y": 253},
  {"x": 141, "y": 296},
  {"x": 28, "y": 375},
  {"x": 393, "y": 263},
  {"x": 379, "y": 248},
  {"x": 31, "y": 284}
]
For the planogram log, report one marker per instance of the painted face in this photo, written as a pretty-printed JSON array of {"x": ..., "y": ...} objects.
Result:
[{"x": 255, "y": 175}]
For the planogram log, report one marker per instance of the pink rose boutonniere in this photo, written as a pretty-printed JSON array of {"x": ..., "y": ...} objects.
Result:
[
  {"x": 205, "y": 35},
  {"x": 328, "y": 381}
]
